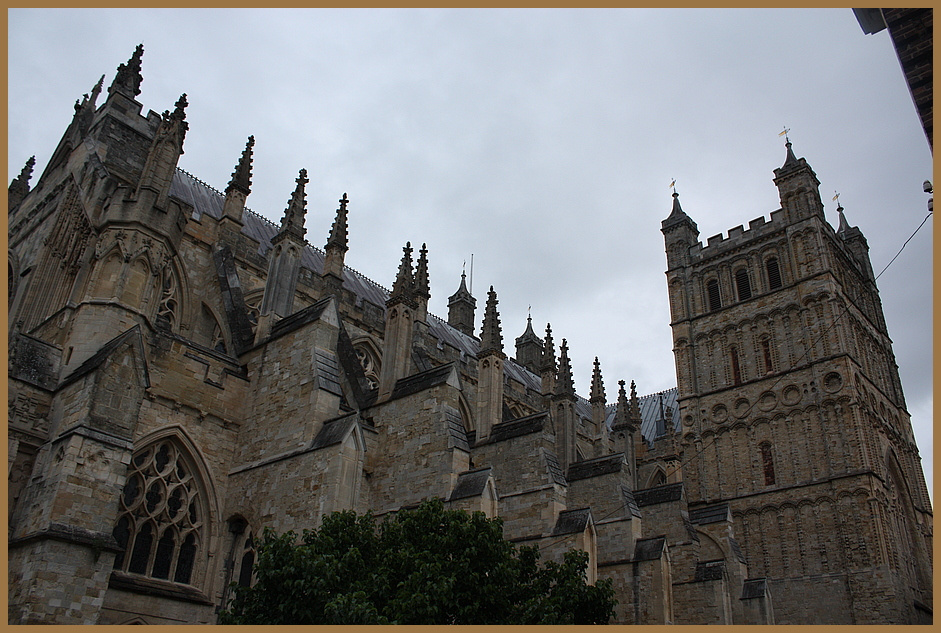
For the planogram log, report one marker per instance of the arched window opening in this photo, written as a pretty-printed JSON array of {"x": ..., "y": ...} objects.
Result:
[
  {"x": 736, "y": 369},
  {"x": 369, "y": 361},
  {"x": 742, "y": 284},
  {"x": 767, "y": 463},
  {"x": 766, "y": 355},
  {"x": 659, "y": 479},
  {"x": 774, "y": 274},
  {"x": 161, "y": 524},
  {"x": 247, "y": 564},
  {"x": 712, "y": 290}
]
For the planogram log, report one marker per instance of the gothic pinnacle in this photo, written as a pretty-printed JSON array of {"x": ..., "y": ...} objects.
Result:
[
  {"x": 128, "y": 78},
  {"x": 339, "y": 232},
  {"x": 597, "y": 384},
  {"x": 635, "y": 405},
  {"x": 242, "y": 176},
  {"x": 491, "y": 338},
  {"x": 565, "y": 384},
  {"x": 404, "y": 280},
  {"x": 622, "y": 414},
  {"x": 293, "y": 221},
  {"x": 422, "y": 286},
  {"x": 548, "y": 351}
]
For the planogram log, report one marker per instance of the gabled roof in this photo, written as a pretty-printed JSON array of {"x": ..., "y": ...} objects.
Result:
[{"x": 470, "y": 483}]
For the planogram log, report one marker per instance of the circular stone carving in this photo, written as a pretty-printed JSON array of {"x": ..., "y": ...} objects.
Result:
[
  {"x": 791, "y": 395},
  {"x": 832, "y": 382},
  {"x": 741, "y": 407},
  {"x": 767, "y": 401},
  {"x": 688, "y": 420},
  {"x": 720, "y": 413}
]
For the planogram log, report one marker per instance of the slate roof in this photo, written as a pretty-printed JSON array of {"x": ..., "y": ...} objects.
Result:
[
  {"x": 709, "y": 570},
  {"x": 333, "y": 431},
  {"x": 649, "y": 548},
  {"x": 595, "y": 467},
  {"x": 572, "y": 521},
  {"x": 630, "y": 502},
  {"x": 456, "y": 430},
  {"x": 660, "y": 494},
  {"x": 709, "y": 514},
  {"x": 520, "y": 426},
  {"x": 470, "y": 483},
  {"x": 555, "y": 471},
  {"x": 99, "y": 357},
  {"x": 419, "y": 382},
  {"x": 754, "y": 588}
]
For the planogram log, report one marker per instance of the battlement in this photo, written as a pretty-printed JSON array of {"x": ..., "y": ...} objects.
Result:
[{"x": 738, "y": 236}]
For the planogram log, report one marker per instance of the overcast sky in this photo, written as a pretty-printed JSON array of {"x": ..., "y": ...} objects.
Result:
[{"x": 542, "y": 141}]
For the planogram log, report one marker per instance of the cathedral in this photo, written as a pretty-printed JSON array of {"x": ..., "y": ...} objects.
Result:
[{"x": 184, "y": 373}]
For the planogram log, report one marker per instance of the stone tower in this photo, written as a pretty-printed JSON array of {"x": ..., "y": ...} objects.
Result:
[{"x": 792, "y": 410}]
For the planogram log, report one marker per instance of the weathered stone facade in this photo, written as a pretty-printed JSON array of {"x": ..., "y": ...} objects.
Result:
[{"x": 184, "y": 374}]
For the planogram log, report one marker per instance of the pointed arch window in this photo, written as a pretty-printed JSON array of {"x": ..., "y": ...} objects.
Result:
[
  {"x": 162, "y": 522},
  {"x": 712, "y": 292}
]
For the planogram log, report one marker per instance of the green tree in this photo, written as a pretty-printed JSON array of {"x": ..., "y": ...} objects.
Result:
[{"x": 426, "y": 565}]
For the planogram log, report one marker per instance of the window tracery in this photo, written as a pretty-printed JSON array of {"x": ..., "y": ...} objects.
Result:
[
  {"x": 162, "y": 516},
  {"x": 370, "y": 364}
]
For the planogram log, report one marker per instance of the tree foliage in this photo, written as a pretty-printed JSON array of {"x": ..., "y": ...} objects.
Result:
[{"x": 426, "y": 565}]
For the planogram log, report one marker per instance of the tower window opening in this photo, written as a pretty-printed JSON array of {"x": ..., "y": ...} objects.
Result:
[
  {"x": 712, "y": 290},
  {"x": 766, "y": 352},
  {"x": 767, "y": 463},
  {"x": 742, "y": 284},
  {"x": 736, "y": 369},
  {"x": 774, "y": 274}
]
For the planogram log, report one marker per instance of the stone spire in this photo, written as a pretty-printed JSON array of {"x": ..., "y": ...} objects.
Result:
[
  {"x": 564, "y": 383},
  {"x": 422, "y": 286},
  {"x": 678, "y": 216},
  {"x": 679, "y": 234},
  {"x": 547, "y": 366},
  {"x": 128, "y": 79},
  {"x": 491, "y": 338},
  {"x": 856, "y": 244},
  {"x": 622, "y": 416},
  {"x": 293, "y": 221},
  {"x": 461, "y": 308},
  {"x": 242, "y": 176},
  {"x": 798, "y": 188},
  {"x": 335, "y": 250},
  {"x": 529, "y": 348},
  {"x": 19, "y": 188}
]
